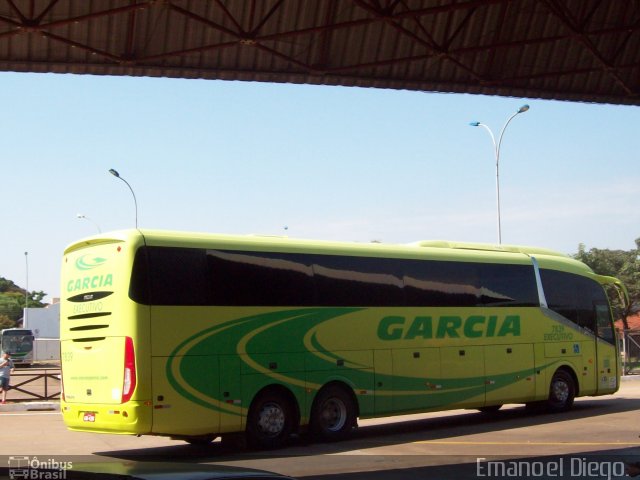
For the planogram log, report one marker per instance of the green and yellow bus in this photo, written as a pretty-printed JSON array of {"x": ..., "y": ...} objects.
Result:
[{"x": 196, "y": 336}]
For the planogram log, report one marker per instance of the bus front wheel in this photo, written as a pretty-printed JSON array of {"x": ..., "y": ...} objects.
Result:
[
  {"x": 562, "y": 391},
  {"x": 333, "y": 415},
  {"x": 270, "y": 420}
]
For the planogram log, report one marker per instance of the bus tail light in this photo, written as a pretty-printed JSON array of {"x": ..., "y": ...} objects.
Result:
[{"x": 129, "y": 382}]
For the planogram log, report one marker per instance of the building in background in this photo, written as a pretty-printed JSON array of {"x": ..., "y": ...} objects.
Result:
[{"x": 45, "y": 324}]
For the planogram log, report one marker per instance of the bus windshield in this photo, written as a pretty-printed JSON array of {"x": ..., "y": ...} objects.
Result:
[{"x": 17, "y": 341}]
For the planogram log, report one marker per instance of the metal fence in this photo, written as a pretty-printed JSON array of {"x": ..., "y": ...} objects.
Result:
[
  {"x": 39, "y": 384},
  {"x": 630, "y": 351}
]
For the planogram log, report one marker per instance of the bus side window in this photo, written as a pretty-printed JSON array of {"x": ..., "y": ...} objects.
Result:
[
  {"x": 237, "y": 278},
  {"x": 561, "y": 293},
  {"x": 580, "y": 299},
  {"x": 508, "y": 285},
  {"x": 603, "y": 319},
  {"x": 439, "y": 283},
  {"x": 357, "y": 281},
  {"x": 169, "y": 276},
  {"x": 177, "y": 276}
]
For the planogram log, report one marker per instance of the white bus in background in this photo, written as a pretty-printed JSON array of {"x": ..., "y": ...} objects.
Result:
[{"x": 19, "y": 343}]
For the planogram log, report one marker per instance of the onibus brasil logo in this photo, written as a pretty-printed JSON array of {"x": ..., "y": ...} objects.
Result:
[{"x": 38, "y": 469}]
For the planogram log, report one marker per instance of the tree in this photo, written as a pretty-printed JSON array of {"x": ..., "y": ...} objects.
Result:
[
  {"x": 12, "y": 305},
  {"x": 9, "y": 286},
  {"x": 624, "y": 265},
  {"x": 6, "y": 322},
  {"x": 35, "y": 298},
  {"x": 12, "y": 299}
]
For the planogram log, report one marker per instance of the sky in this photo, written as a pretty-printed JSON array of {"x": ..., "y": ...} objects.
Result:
[{"x": 329, "y": 163}]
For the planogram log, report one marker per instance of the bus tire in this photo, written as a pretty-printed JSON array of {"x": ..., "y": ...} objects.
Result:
[
  {"x": 270, "y": 421},
  {"x": 333, "y": 414},
  {"x": 562, "y": 391}
]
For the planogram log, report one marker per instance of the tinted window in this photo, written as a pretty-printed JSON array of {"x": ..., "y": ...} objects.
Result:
[
  {"x": 604, "y": 323},
  {"x": 442, "y": 284},
  {"x": 139, "y": 285},
  {"x": 259, "y": 279},
  {"x": 178, "y": 276},
  {"x": 561, "y": 291},
  {"x": 357, "y": 281},
  {"x": 469, "y": 284},
  {"x": 181, "y": 276},
  {"x": 573, "y": 296},
  {"x": 508, "y": 285}
]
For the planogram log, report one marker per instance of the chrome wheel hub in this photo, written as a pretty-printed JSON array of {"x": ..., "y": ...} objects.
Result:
[
  {"x": 334, "y": 415},
  {"x": 560, "y": 391},
  {"x": 271, "y": 419}
]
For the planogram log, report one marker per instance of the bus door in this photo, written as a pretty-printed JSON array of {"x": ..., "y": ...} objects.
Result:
[
  {"x": 608, "y": 361},
  {"x": 606, "y": 352}
]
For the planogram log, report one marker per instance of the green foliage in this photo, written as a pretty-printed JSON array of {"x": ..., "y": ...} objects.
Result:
[
  {"x": 9, "y": 286},
  {"x": 6, "y": 322},
  {"x": 35, "y": 298},
  {"x": 12, "y": 299},
  {"x": 12, "y": 305},
  {"x": 622, "y": 264}
]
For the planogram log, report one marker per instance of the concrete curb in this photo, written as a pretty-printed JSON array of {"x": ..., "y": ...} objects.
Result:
[
  {"x": 630, "y": 378},
  {"x": 30, "y": 407}
]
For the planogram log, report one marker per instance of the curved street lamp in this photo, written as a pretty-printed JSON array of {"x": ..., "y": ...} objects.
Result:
[
  {"x": 117, "y": 175},
  {"x": 80, "y": 215},
  {"x": 496, "y": 151}
]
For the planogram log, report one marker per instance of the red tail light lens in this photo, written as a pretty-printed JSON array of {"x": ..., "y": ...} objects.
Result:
[{"x": 129, "y": 381}]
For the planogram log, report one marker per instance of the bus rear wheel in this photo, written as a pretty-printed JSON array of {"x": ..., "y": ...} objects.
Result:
[
  {"x": 333, "y": 415},
  {"x": 562, "y": 391},
  {"x": 270, "y": 421}
]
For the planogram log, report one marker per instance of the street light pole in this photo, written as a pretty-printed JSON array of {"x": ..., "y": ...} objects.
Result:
[
  {"x": 80, "y": 215},
  {"x": 496, "y": 152},
  {"x": 26, "y": 289},
  {"x": 117, "y": 175}
]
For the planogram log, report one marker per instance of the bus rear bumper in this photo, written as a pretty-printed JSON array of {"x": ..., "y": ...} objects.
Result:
[{"x": 133, "y": 418}]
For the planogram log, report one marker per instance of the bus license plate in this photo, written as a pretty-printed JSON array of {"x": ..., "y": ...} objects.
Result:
[{"x": 89, "y": 417}]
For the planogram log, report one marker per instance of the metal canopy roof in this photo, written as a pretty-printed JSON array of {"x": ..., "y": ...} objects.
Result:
[{"x": 582, "y": 50}]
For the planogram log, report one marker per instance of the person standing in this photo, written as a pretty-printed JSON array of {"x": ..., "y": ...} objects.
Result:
[{"x": 6, "y": 369}]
